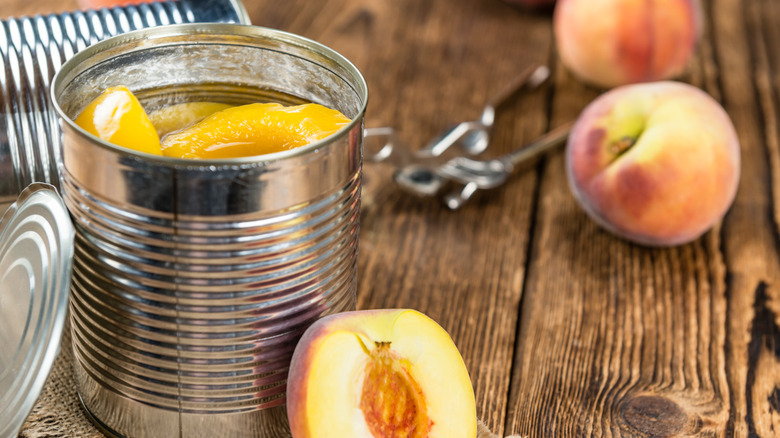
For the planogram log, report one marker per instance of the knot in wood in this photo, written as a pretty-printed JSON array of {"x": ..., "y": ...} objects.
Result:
[{"x": 654, "y": 415}]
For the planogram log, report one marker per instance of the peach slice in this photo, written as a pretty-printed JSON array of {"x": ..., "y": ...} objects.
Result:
[
  {"x": 379, "y": 373},
  {"x": 176, "y": 117},
  {"x": 254, "y": 129},
  {"x": 117, "y": 117}
]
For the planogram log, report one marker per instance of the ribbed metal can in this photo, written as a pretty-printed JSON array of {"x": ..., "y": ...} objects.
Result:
[
  {"x": 32, "y": 49},
  {"x": 193, "y": 279}
]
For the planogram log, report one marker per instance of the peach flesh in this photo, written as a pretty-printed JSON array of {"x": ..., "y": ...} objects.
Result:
[{"x": 116, "y": 116}]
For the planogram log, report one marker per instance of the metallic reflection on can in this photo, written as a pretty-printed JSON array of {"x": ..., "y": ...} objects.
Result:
[
  {"x": 193, "y": 280},
  {"x": 32, "y": 49}
]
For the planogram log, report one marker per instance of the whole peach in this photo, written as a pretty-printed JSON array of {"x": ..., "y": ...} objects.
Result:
[
  {"x": 655, "y": 163},
  {"x": 617, "y": 42}
]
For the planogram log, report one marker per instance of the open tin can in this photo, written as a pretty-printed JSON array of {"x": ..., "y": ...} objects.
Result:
[{"x": 194, "y": 279}]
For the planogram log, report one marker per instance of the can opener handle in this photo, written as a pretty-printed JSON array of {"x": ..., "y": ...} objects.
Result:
[{"x": 425, "y": 173}]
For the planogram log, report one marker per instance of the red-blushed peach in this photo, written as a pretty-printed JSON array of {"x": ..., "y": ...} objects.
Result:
[
  {"x": 617, "y": 42},
  {"x": 655, "y": 163},
  {"x": 379, "y": 373}
]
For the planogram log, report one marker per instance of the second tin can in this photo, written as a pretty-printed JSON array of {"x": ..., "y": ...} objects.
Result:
[{"x": 193, "y": 280}]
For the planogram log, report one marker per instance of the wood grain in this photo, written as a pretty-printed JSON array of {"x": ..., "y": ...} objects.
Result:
[
  {"x": 566, "y": 330},
  {"x": 619, "y": 340},
  {"x": 18, "y": 8},
  {"x": 428, "y": 65}
]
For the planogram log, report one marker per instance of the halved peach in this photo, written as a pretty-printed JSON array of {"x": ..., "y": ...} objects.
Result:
[
  {"x": 117, "y": 117},
  {"x": 379, "y": 373}
]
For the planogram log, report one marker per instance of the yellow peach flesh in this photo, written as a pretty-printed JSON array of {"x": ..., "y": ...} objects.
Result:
[
  {"x": 117, "y": 117},
  {"x": 206, "y": 129},
  {"x": 254, "y": 129}
]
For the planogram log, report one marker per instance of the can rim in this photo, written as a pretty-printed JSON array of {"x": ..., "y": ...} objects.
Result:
[
  {"x": 143, "y": 37},
  {"x": 241, "y": 12}
]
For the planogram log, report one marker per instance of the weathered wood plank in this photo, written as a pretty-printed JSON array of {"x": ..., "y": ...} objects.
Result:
[
  {"x": 18, "y": 8},
  {"x": 619, "y": 340},
  {"x": 757, "y": 360},
  {"x": 614, "y": 339},
  {"x": 430, "y": 64}
]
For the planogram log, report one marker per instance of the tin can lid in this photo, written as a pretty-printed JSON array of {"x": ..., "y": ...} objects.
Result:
[{"x": 36, "y": 256}]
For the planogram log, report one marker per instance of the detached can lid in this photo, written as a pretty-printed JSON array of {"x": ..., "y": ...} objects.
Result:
[{"x": 36, "y": 257}]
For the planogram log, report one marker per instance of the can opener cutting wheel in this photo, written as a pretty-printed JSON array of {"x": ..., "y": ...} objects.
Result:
[{"x": 425, "y": 173}]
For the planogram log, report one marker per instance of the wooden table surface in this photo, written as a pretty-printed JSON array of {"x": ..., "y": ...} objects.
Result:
[{"x": 566, "y": 330}]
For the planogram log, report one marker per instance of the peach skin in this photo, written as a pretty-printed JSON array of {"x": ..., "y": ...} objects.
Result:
[
  {"x": 616, "y": 42},
  {"x": 656, "y": 163}
]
